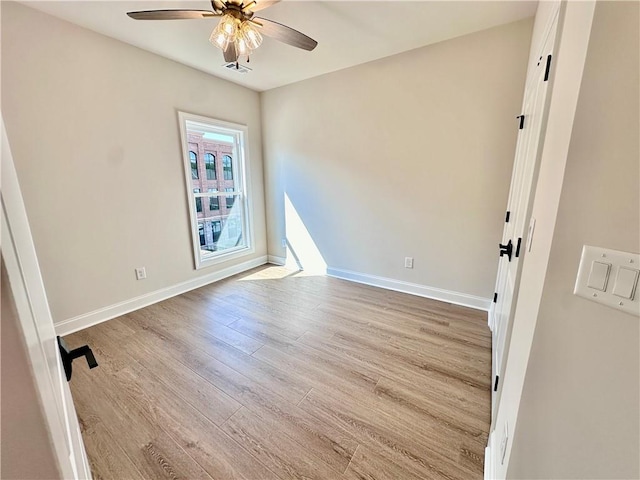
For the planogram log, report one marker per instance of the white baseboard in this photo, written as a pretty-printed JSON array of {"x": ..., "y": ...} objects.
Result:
[
  {"x": 448, "y": 296},
  {"x": 489, "y": 472},
  {"x": 65, "y": 327},
  {"x": 277, "y": 260}
]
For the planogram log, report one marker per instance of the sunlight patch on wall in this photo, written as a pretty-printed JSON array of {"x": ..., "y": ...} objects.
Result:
[{"x": 302, "y": 251}]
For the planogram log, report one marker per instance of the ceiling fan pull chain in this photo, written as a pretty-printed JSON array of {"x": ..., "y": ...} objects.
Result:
[{"x": 248, "y": 59}]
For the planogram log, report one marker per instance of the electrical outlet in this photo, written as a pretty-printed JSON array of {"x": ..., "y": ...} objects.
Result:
[
  {"x": 141, "y": 273},
  {"x": 284, "y": 243},
  {"x": 408, "y": 262}
]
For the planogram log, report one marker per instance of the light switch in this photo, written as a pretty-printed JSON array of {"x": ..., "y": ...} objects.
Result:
[
  {"x": 609, "y": 277},
  {"x": 626, "y": 282},
  {"x": 599, "y": 275}
]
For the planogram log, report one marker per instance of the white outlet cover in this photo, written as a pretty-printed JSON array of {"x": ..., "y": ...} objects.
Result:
[{"x": 618, "y": 260}]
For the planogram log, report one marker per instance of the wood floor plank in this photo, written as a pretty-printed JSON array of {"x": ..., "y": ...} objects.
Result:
[
  {"x": 328, "y": 443},
  {"x": 370, "y": 463},
  {"x": 200, "y": 394},
  {"x": 274, "y": 374},
  {"x": 327, "y": 440},
  {"x": 381, "y": 432},
  {"x": 433, "y": 434},
  {"x": 154, "y": 454},
  {"x": 112, "y": 462},
  {"x": 273, "y": 447}
]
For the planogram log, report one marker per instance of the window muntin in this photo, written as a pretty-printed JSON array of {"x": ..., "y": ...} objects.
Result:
[
  {"x": 210, "y": 165},
  {"x": 219, "y": 232},
  {"x": 227, "y": 167},
  {"x": 193, "y": 160}
]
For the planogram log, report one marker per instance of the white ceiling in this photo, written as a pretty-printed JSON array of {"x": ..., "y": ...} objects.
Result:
[{"x": 348, "y": 33}]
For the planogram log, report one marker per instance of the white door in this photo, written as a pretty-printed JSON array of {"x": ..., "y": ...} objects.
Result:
[
  {"x": 518, "y": 228},
  {"x": 19, "y": 255}
]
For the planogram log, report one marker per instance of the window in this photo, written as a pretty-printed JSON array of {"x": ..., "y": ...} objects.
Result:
[
  {"x": 214, "y": 203},
  {"x": 227, "y": 167},
  {"x": 218, "y": 234},
  {"x": 210, "y": 165},
  {"x": 230, "y": 198},
  {"x": 198, "y": 201},
  {"x": 193, "y": 160}
]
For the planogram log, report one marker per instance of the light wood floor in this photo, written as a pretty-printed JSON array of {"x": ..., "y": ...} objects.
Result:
[{"x": 278, "y": 375}]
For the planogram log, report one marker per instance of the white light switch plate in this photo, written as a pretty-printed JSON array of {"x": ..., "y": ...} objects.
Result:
[{"x": 621, "y": 265}]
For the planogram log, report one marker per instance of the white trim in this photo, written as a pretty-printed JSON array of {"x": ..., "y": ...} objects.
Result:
[
  {"x": 489, "y": 470},
  {"x": 274, "y": 260},
  {"x": 65, "y": 327},
  {"x": 448, "y": 296}
]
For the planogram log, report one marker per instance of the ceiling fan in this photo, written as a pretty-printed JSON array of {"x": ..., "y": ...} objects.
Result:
[{"x": 239, "y": 31}]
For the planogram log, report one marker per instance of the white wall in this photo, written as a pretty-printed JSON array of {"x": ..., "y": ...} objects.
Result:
[
  {"x": 579, "y": 414},
  {"x": 94, "y": 132},
  {"x": 410, "y": 155}
]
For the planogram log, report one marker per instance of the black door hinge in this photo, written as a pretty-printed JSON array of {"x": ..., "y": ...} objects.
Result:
[
  {"x": 507, "y": 217},
  {"x": 518, "y": 247},
  {"x": 548, "y": 68},
  {"x": 495, "y": 297},
  {"x": 521, "y": 117},
  {"x": 495, "y": 385}
]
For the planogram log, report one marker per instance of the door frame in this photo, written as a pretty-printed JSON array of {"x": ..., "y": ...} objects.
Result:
[
  {"x": 27, "y": 287},
  {"x": 571, "y": 47}
]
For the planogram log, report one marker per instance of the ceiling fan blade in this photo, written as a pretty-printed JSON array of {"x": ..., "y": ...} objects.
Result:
[
  {"x": 230, "y": 54},
  {"x": 257, "y": 5},
  {"x": 283, "y": 33},
  {"x": 171, "y": 14}
]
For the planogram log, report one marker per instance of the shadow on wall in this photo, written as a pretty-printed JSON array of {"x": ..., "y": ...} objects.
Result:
[{"x": 302, "y": 251}]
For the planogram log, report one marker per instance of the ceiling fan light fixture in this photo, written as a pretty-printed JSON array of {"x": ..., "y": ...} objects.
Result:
[
  {"x": 229, "y": 25},
  {"x": 242, "y": 48},
  {"x": 219, "y": 39},
  {"x": 250, "y": 35},
  {"x": 226, "y": 32}
]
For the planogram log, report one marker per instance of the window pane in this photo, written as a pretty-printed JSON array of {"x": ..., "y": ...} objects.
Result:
[
  {"x": 198, "y": 201},
  {"x": 210, "y": 164},
  {"x": 230, "y": 198},
  {"x": 193, "y": 158},
  {"x": 214, "y": 202},
  {"x": 232, "y": 226},
  {"x": 216, "y": 229},
  {"x": 201, "y": 233},
  {"x": 227, "y": 167}
]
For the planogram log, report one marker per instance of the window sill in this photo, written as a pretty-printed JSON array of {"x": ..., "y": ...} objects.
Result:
[{"x": 231, "y": 254}]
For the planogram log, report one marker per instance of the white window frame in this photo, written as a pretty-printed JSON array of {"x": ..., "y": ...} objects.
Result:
[{"x": 240, "y": 165}]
